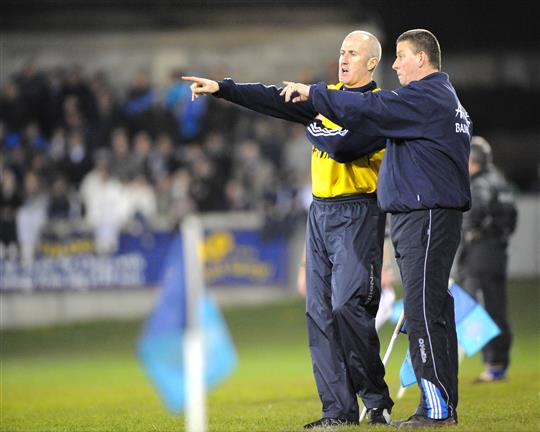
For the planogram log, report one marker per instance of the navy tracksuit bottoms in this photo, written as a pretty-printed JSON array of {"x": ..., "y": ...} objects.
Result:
[
  {"x": 425, "y": 243},
  {"x": 345, "y": 238}
]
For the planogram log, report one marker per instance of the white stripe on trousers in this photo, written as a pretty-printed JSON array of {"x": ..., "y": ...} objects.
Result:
[
  {"x": 425, "y": 317},
  {"x": 433, "y": 398}
]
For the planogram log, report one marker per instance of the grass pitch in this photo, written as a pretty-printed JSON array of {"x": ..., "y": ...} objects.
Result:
[{"x": 87, "y": 378}]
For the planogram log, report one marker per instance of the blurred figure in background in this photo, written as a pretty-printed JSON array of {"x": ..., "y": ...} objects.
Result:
[
  {"x": 64, "y": 204},
  {"x": 254, "y": 172},
  {"x": 10, "y": 201},
  {"x": 139, "y": 104},
  {"x": 483, "y": 259},
  {"x": 13, "y": 110},
  {"x": 77, "y": 160},
  {"x": 31, "y": 217},
  {"x": 123, "y": 163},
  {"x": 102, "y": 196}
]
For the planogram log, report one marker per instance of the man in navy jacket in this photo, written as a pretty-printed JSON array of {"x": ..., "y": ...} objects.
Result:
[{"x": 424, "y": 184}]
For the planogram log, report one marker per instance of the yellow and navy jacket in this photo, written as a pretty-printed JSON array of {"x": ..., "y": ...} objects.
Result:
[{"x": 351, "y": 170}]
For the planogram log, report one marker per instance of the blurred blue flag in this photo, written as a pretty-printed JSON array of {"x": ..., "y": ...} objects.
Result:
[
  {"x": 397, "y": 308},
  {"x": 406, "y": 373},
  {"x": 474, "y": 328},
  {"x": 161, "y": 344}
]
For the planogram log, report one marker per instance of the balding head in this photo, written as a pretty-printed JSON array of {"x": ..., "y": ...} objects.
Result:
[
  {"x": 372, "y": 45},
  {"x": 359, "y": 56}
]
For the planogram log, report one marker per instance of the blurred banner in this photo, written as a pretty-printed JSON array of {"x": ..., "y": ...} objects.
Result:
[{"x": 234, "y": 257}]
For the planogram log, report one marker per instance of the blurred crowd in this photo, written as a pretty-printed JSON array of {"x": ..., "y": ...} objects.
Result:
[{"x": 79, "y": 152}]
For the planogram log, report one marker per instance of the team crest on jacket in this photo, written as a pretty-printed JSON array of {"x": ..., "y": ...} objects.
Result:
[{"x": 463, "y": 125}]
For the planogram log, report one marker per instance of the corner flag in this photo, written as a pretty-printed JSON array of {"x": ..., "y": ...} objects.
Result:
[
  {"x": 161, "y": 346},
  {"x": 474, "y": 328}
]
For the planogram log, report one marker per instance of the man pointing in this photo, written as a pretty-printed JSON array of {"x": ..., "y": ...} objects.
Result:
[{"x": 424, "y": 184}]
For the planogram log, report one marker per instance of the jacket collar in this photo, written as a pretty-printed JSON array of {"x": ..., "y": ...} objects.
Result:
[{"x": 368, "y": 87}]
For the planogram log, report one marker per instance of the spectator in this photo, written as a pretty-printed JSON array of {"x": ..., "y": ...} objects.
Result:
[
  {"x": 215, "y": 148},
  {"x": 162, "y": 161},
  {"x": 63, "y": 204},
  {"x": 75, "y": 87},
  {"x": 104, "y": 204},
  {"x": 57, "y": 146},
  {"x": 142, "y": 148},
  {"x": 34, "y": 139},
  {"x": 297, "y": 152},
  {"x": 10, "y": 201},
  {"x": 13, "y": 111},
  {"x": 254, "y": 172},
  {"x": 141, "y": 199},
  {"x": 72, "y": 117},
  {"x": 31, "y": 217},
  {"x": 139, "y": 103},
  {"x": 483, "y": 258},
  {"x": 189, "y": 116},
  {"x": 35, "y": 93},
  {"x": 205, "y": 188},
  {"x": 236, "y": 198},
  {"x": 77, "y": 161},
  {"x": 266, "y": 133},
  {"x": 123, "y": 163},
  {"x": 109, "y": 114}
]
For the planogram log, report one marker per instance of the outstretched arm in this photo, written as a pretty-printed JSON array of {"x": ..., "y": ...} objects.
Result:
[
  {"x": 342, "y": 145},
  {"x": 257, "y": 97},
  {"x": 395, "y": 114}
]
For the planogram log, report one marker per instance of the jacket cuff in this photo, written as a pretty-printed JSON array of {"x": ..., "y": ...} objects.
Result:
[
  {"x": 224, "y": 88},
  {"x": 315, "y": 92}
]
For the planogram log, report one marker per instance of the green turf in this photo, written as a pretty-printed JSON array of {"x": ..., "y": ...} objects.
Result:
[{"x": 86, "y": 377}]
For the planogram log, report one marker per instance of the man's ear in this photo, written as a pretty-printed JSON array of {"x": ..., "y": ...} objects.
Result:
[
  {"x": 372, "y": 63},
  {"x": 422, "y": 58}
]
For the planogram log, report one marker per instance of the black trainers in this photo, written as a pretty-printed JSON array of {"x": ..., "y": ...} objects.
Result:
[
  {"x": 420, "y": 421},
  {"x": 327, "y": 422},
  {"x": 378, "y": 416}
]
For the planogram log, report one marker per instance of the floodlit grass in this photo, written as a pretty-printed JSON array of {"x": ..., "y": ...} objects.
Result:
[{"x": 87, "y": 378}]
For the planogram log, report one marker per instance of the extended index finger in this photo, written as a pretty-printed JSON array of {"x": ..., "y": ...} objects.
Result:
[{"x": 193, "y": 78}]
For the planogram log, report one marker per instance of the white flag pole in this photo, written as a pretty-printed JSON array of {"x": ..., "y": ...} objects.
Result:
[
  {"x": 391, "y": 344},
  {"x": 195, "y": 413}
]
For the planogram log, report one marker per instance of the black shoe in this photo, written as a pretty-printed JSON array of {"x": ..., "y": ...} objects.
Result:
[
  {"x": 378, "y": 416},
  {"x": 326, "y": 422},
  {"x": 420, "y": 421}
]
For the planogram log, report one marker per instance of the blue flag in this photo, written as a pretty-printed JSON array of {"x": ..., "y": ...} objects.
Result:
[
  {"x": 397, "y": 308},
  {"x": 406, "y": 373},
  {"x": 161, "y": 344},
  {"x": 463, "y": 302},
  {"x": 474, "y": 328}
]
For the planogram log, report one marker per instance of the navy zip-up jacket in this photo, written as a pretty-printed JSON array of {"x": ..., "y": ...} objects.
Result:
[
  {"x": 266, "y": 99},
  {"x": 352, "y": 170},
  {"x": 427, "y": 151}
]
